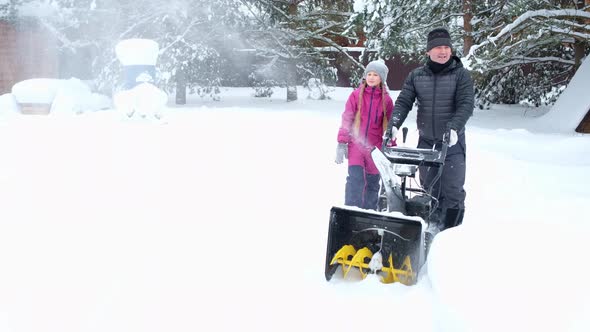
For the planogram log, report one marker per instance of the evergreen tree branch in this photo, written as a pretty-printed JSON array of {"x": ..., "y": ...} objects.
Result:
[{"x": 521, "y": 20}]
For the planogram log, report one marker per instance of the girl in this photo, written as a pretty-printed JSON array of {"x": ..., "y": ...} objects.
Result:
[{"x": 363, "y": 123}]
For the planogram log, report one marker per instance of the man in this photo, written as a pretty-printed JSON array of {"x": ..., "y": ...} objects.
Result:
[{"x": 444, "y": 91}]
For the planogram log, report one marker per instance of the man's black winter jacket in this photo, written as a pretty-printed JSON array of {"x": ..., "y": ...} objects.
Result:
[{"x": 445, "y": 100}]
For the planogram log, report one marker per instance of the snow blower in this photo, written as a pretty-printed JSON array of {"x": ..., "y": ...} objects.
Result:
[{"x": 393, "y": 241}]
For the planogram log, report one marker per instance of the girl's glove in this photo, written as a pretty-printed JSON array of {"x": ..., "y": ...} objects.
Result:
[
  {"x": 389, "y": 137},
  {"x": 391, "y": 143},
  {"x": 341, "y": 152}
]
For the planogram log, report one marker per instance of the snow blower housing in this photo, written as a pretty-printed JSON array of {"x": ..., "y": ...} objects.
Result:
[
  {"x": 399, "y": 240},
  {"x": 394, "y": 241}
]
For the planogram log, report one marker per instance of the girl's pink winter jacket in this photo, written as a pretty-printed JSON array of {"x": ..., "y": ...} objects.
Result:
[{"x": 370, "y": 131}]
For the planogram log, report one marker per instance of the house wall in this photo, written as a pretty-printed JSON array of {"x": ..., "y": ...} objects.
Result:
[
  {"x": 584, "y": 126},
  {"x": 26, "y": 51},
  {"x": 398, "y": 70}
]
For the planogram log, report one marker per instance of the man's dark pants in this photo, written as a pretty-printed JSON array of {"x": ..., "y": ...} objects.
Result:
[{"x": 449, "y": 189}]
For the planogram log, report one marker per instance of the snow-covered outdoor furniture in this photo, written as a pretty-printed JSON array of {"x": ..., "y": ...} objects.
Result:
[
  {"x": 138, "y": 57},
  {"x": 35, "y": 96},
  {"x": 56, "y": 96},
  {"x": 139, "y": 95}
]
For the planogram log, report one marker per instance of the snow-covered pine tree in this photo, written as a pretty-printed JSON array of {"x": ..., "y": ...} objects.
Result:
[
  {"x": 526, "y": 50},
  {"x": 522, "y": 50},
  {"x": 190, "y": 34},
  {"x": 200, "y": 40},
  {"x": 399, "y": 27},
  {"x": 9, "y": 10},
  {"x": 286, "y": 36},
  {"x": 194, "y": 49}
]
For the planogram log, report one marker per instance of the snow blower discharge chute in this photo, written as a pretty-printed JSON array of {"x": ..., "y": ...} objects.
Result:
[{"x": 393, "y": 241}]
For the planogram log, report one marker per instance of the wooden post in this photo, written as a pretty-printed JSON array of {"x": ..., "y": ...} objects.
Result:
[
  {"x": 180, "y": 88},
  {"x": 291, "y": 75}
]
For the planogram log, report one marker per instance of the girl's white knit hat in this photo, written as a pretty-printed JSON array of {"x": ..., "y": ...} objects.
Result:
[{"x": 379, "y": 67}]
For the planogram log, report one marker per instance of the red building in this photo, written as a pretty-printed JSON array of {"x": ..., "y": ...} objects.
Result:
[{"x": 26, "y": 51}]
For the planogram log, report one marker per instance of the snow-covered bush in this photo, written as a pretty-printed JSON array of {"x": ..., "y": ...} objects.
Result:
[
  {"x": 262, "y": 85},
  {"x": 317, "y": 89}
]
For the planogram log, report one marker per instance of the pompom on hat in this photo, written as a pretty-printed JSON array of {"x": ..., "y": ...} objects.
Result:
[
  {"x": 379, "y": 67},
  {"x": 438, "y": 37}
]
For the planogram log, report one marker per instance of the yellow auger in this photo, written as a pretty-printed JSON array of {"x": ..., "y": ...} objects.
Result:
[
  {"x": 387, "y": 245},
  {"x": 405, "y": 274},
  {"x": 348, "y": 256}
]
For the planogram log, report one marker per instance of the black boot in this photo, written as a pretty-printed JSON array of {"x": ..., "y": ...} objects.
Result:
[
  {"x": 459, "y": 219},
  {"x": 371, "y": 191},
  {"x": 453, "y": 218},
  {"x": 355, "y": 185}
]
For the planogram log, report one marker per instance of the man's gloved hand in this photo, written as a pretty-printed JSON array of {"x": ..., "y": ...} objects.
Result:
[
  {"x": 341, "y": 152},
  {"x": 453, "y": 137}
]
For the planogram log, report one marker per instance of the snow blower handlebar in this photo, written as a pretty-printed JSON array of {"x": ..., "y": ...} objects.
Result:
[{"x": 416, "y": 156}]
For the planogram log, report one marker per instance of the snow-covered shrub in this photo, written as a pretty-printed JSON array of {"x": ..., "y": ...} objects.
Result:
[
  {"x": 532, "y": 84},
  {"x": 317, "y": 89},
  {"x": 263, "y": 87},
  {"x": 263, "y": 92}
]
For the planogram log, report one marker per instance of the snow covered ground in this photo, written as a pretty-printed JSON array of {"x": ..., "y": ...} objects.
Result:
[{"x": 216, "y": 219}]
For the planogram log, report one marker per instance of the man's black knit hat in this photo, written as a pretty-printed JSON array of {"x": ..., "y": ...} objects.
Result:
[{"x": 438, "y": 37}]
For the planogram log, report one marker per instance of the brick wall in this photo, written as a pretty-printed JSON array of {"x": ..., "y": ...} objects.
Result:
[{"x": 26, "y": 51}]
